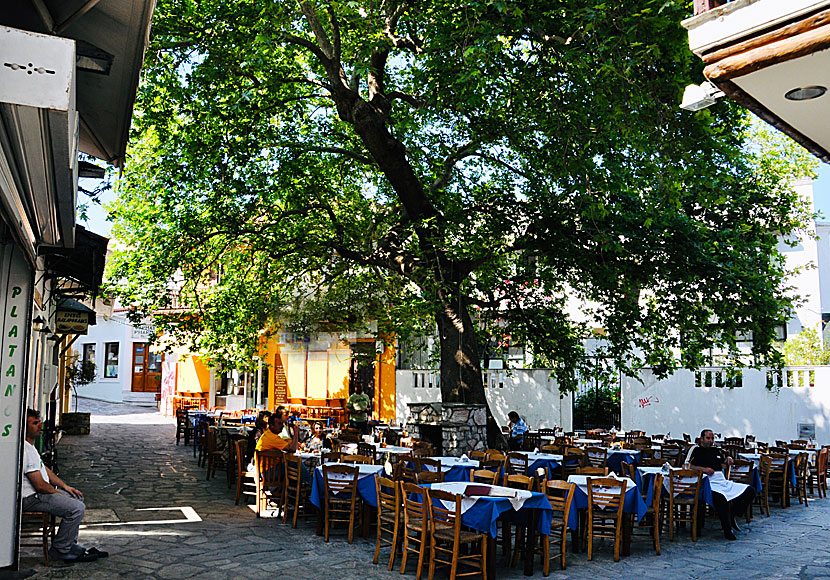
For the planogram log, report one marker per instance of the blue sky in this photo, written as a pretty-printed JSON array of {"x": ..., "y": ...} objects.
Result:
[{"x": 821, "y": 192}]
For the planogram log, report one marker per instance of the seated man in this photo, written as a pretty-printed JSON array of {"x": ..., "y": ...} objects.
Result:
[
  {"x": 518, "y": 428},
  {"x": 43, "y": 491},
  {"x": 730, "y": 498},
  {"x": 272, "y": 439}
]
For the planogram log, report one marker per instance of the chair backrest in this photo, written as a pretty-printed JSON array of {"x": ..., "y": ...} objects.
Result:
[
  {"x": 532, "y": 441},
  {"x": 687, "y": 438},
  {"x": 749, "y": 439},
  {"x": 560, "y": 494},
  {"x": 555, "y": 449},
  {"x": 652, "y": 461},
  {"x": 733, "y": 450},
  {"x": 428, "y": 464},
  {"x": 641, "y": 441},
  {"x": 424, "y": 477},
  {"x": 293, "y": 468},
  {"x": 764, "y": 469},
  {"x": 563, "y": 441},
  {"x": 516, "y": 463},
  {"x": 781, "y": 444},
  {"x": 340, "y": 479},
  {"x": 210, "y": 441},
  {"x": 733, "y": 441},
  {"x": 592, "y": 470},
  {"x": 801, "y": 464},
  {"x": 403, "y": 472},
  {"x": 685, "y": 483},
  {"x": 388, "y": 494},
  {"x": 494, "y": 454},
  {"x": 367, "y": 450},
  {"x": 241, "y": 449},
  {"x": 656, "y": 494},
  {"x": 519, "y": 482},
  {"x": 546, "y": 432},
  {"x": 267, "y": 463},
  {"x": 414, "y": 504},
  {"x": 741, "y": 471},
  {"x": 441, "y": 516},
  {"x": 484, "y": 476},
  {"x": 330, "y": 457},
  {"x": 779, "y": 464},
  {"x": 478, "y": 455},
  {"x": 606, "y": 494},
  {"x": 356, "y": 459},
  {"x": 596, "y": 456}
]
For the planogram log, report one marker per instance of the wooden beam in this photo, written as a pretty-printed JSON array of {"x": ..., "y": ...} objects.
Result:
[
  {"x": 744, "y": 99},
  {"x": 812, "y": 22},
  {"x": 770, "y": 54}
]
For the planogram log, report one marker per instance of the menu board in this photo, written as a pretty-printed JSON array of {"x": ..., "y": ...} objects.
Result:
[{"x": 280, "y": 381}]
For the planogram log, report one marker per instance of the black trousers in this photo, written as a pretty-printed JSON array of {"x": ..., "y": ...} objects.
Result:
[
  {"x": 362, "y": 426},
  {"x": 727, "y": 510}
]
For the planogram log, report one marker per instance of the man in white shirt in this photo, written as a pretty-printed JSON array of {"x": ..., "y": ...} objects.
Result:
[{"x": 43, "y": 491}]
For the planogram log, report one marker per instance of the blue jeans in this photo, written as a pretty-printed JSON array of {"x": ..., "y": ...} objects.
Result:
[{"x": 67, "y": 508}]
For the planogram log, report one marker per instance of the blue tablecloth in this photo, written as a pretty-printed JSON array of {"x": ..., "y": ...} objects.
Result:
[
  {"x": 484, "y": 513},
  {"x": 365, "y": 485},
  {"x": 756, "y": 459},
  {"x": 633, "y": 503},
  {"x": 617, "y": 456},
  {"x": 646, "y": 478}
]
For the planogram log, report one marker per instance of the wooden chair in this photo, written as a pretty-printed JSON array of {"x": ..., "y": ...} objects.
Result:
[
  {"x": 531, "y": 441},
  {"x": 739, "y": 441},
  {"x": 683, "y": 500},
  {"x": 778, "y": 476},
  {"x": 596, "y": 456},
  {"x": 367, "y": 450},
  {"x": 269, "y": 479},
  {"x": 213, "y": 456},
  {"x": 183, "y": 427},
  {"x": 516, "y": 464},
  {"x": 554, "y": 449},
  {"x": 593, "y": 471},
  {"x": 232, "y": 463},
  {"x": 341, "y": 502},
  {"x": 389, "y": 516},
  {"x": 447, "y": 537},
  {"x": 424, "y": 477},
  {"x": 484, "y": 476},
  {"x": 560, "y": 495},
  {"x": 478, "y": 455},
  {"x": 330, "y": 457},
  {"x": 572, "y": 460},
  {"x": 494, "y": 454},
  {"x": 764, "y": 469},
  {"x": 39, "y": 527},
  {"x": 403, "y": 472},
  {"x": 428, "y": 464},
  {"x": 801, "y": 475},
  {"x": 416, "y": 524},
  {"x": 606, "y": 497},
  {"x": 818, "y": 473},
  {"x": 563, "y": 441},
  {"x": 651, "y": 462},
  {"x": 515, "y": 481},
  {"x": 295, "y": 493},
  {"x": 547, "y": 432},
  {"x": 670, "y": 454},
  {"x": 741, "y": 471},
  {"x": 653, "y": 520},
  {"x": 245, "y": 480},
  {"x": 357, "y": 459}
]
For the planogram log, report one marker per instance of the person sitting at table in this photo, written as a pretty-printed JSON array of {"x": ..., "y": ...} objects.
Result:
[
  {"x": 317, "y": 440},
  {"x": 518, "y": 428},
  {"x": 272, "y": 439},
  {"x": 729, "y": 498}
]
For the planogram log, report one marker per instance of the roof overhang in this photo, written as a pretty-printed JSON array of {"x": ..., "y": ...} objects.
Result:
[
  {"x": 756, "y": 51},
  {"x": 80, "y": 269}
]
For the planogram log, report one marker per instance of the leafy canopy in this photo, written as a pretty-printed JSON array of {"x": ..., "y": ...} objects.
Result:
[{"x": 502, "y": 168}]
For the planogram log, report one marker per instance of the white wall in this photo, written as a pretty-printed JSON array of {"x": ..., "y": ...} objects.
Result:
[
  {"x": 677, "y": 406},
  {"x": 529, "y": 392},
  {"x": 115, "y": 329}
]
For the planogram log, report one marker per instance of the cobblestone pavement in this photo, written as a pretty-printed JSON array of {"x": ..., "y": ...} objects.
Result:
[{"x": 129, "y": 467}]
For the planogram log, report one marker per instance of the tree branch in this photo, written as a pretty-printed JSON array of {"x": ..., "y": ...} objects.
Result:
[
  {"x": 406, "y": 98},
  {"x": 465, "y": 150}
]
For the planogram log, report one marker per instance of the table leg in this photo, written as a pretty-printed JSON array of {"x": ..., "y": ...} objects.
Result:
[
  {"x": 491, "y": 558},
  {"x": 530, "y": 542},
  {"x": 321, "y": 520},
  {"x": 628, "y": 524}
]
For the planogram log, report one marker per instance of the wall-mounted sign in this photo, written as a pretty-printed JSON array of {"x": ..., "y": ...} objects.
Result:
[
  {"x": 15, "y": 308},
  {"x": 71, "y": 322}
]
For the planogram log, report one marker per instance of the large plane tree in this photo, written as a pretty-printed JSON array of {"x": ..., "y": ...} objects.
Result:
[{"x": 494, "y": 171}]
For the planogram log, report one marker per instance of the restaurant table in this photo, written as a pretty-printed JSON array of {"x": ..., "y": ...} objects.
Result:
[
  {"x": 645, "y": 476},
  {"x": 365, "y": 485},
  {"x": 617, "y": 456},
  {"x": 587, "y": 442},
  {"x": 633, "y": 505},
  {"x": 549, "y": 461},
  {"x": 351, "y": 448},
  {"x": 483, "y": 512},
  {"x": 457, "y": 468},
  {"x": 756, "y": 459}
]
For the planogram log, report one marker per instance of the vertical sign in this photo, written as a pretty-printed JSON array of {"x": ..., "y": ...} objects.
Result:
[
  {"x": 15, "y": 308},
  {"x": 168, "y": 382},
  {"x": 280, "y": 381}
]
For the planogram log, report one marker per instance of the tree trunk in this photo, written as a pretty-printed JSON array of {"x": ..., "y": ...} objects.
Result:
[{"x": 461, "y": 380}]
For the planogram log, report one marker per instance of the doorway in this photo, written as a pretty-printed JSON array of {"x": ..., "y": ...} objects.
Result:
[
  {"x": 362, "y": 369},
  {"x": 146, "y": 369}
]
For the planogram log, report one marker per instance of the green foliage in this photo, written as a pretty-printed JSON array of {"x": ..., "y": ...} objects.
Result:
[
  {"x": 598, "y": 407},
  {"x": 80, "y": 372},
  {"x": 489, "y": 167},
  {"x": 806, "y": 348}
]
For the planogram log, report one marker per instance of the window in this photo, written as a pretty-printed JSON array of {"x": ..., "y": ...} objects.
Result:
[
  {"x": 89, "y": 353},
  {"x": 111, "y": 360}
]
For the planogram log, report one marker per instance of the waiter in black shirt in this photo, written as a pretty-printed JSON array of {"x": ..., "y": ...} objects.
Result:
[{"x": 711, "y": 460}]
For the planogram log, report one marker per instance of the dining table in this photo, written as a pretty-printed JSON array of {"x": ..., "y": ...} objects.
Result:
[
  {"x": 482, "y": 512},
  {"x": 756, "y": 459},
  {"x": 645, "y": 476},
  {"x": 617, "y": 456},
  {"x": 456, "y": 468},
  {"x": 549, "y": 461}
]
